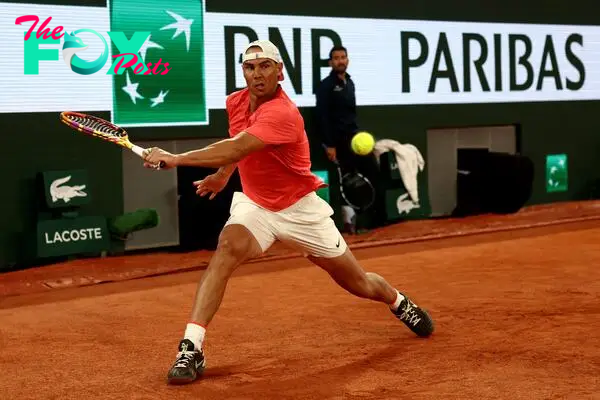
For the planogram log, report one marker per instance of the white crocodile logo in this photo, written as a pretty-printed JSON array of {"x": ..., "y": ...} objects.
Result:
[
  {"x": 404, "y": 205},
  {"x": 66, "y": 193}
]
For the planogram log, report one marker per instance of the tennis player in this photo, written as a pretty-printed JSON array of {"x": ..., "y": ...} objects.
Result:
[{"x": 269, "y": 147}]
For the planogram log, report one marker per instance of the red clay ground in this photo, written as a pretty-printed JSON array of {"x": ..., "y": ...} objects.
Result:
[{"x": 517, "y": 317}]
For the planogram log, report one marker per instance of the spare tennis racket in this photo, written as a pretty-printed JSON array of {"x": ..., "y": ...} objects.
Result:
[
  {"x": 100, "y": 128},
  {"x": 356, "y": 189}
]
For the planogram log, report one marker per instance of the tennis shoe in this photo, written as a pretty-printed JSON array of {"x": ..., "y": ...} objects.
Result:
[
  {"x": 414, "y": 317},
  {"x": 188, "y": 366}
]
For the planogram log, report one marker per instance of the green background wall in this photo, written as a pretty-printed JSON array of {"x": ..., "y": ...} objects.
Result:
[{"x": 37, "y": 142}]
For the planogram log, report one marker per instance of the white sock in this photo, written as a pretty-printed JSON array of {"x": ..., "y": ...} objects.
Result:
[
  {"x": 396, "y": 304},
  {"x": 195, "y": 333}
]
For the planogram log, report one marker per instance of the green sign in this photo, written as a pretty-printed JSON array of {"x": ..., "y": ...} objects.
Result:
[
  {"x": 398, "y": 204},
  {"x": 66, "y": 188},
  {"x": 175, "y": 45},
  {"x": 323, "y": 192},
  {"x": 557, "y": 176},
  {"x": 389, "y": 166},
  {"x": 59, "y": 237}
]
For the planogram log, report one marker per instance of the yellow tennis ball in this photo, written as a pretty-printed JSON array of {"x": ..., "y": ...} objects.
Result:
[{"x": 362, "y": 143}]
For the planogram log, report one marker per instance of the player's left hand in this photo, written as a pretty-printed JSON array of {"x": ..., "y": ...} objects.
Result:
[
  {"x": 212, "y": 184},
  {"x": 154, "y": 155}
]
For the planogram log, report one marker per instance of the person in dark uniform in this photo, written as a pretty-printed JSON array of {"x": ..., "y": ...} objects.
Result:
[{"x": 336, "y": 125}]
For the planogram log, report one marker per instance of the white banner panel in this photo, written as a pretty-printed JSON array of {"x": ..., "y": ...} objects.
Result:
[{"x": 393, "y": 62}]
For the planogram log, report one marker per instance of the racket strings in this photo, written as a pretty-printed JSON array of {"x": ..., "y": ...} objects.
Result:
[
  {"x": 357, "y": 190},
  {"x": 97, "y": 126}
]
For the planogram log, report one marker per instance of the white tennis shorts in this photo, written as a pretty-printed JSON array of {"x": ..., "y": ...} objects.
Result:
[{"x": 306, "y": 226}]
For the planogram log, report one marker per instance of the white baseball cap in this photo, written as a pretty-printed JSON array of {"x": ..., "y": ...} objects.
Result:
[{"x": 268, "y": 50}]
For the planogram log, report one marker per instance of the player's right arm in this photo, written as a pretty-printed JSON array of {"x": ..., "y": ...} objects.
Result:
[{"x": 275, "y": 124}]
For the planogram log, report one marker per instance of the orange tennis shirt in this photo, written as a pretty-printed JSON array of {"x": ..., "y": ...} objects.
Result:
[{"x": 279, "y": 175}]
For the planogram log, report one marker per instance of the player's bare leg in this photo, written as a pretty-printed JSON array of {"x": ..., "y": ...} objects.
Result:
[
  {"x": 349, "y": 274},
  {"x": 236, "y": 245}
]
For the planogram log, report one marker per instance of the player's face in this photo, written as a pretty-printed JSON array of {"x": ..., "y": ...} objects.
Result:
[
  {"x": 339, "y": 61},
  {"x": 261, "y": 76}
]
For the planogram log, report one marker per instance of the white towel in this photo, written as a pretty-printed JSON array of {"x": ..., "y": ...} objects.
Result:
[{"x": 409, "y": 160}]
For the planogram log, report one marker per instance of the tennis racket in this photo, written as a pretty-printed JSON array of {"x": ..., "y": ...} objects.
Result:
[
  {"x": 100, "y": 128},
  {"x": 356, "y": 189}
]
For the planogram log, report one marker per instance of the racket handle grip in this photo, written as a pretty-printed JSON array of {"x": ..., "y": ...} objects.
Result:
[{"x": 140, "y": 152}]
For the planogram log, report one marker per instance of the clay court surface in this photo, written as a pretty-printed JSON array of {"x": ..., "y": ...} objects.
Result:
[{"x": 517, "y": 316}]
